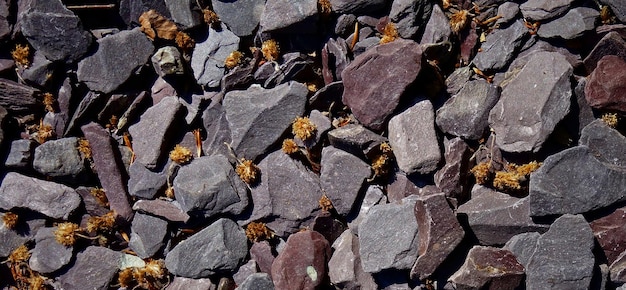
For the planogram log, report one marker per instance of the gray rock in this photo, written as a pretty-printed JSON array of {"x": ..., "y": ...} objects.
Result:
[
  {"x": 413, "y": 130},
  {"x": 508, "y": 11},
  {"x": 19, "y": 99},
  {"x": 167, "y": 61},
  {"x": 355, "y": 139},
  {"x": 241, "y": 16},
  {"x": 342, "y": 178},
  {"x": 207, "y": 60},
  {"x": 145, "y": 183},
  {"x": 295, "y": 66},
  {"x": 488, "y": 268},
  {"x": 5, "y": 28},
  {"x": 20, "y": 154},
  {"x": 195, "y": 256},
  {"x": 607, "y": 144},
  {"x": 147, "y": 235},
  {"x": 341, "y": 266},
  {"x": 438, "y": 27},
  {"x": 537, "y": 10},
  {"x": 571, "y": 25},
  {"x": 452, "y": 177},
  {"x": 457, "y": 79},
  {"x": 257, "y": 281},
  {"x": 375, "y": 80},
  {"x": 617, "y": 7},
  {"x": 185, "y": 12},
  {"x": 117, "y": 57},
  {"x": 496, "y": 217},
  {"x": 411, "y": 16},
  {"x": 217, "y": 130},
  {"x": 182, "y": 283},
  {"x": 51, "y": 199},
  {"x": 500, "y": 47},
  {"x": 523, "y": 246},
  {"x": 25, "y": 231},
  {"x": 345, "y": 25},
  {"x": 302, "y": 261},
  {"x": 48, "y": 255},
  {"x": 169, "y": 210},
  {"x": 466, "y": 114},
  {"x": 334, "y": 60},
  {"x": 258, "y": 117},
  {"x": 263, "y": 254},
  {"x": 611, "y": 44},
  {"x": 59, "y": 158},
  {"x": 570, "y": 267},
  {"x": 380, "y": 250},
  {"x": 365, "y": 44},
  {"x": 156, "y": 126},
  {"x": 515, "y": 118},
  {"x": 283, "y": 16},
  {"x": 94, "y": 266},
  {"x": 3, "y": 123},
  {"x": 574, "y": 181},
  {"x": 373, "y": 196},
  {"x": 246, "y": 270},
  {"x": 41, "y": 72},
  {"x": 209, "y": 186},
  {"x": 358, "y": 7}
]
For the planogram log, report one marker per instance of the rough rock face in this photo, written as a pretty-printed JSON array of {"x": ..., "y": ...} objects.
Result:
[
  {"x": 59, "y": 158},
  {"x": 302, "y": 261},
  {"x": 241, "y": 16},
  {"x": 537, "y": 10},
  {"x": 571, "y": 25},
  {"x": 148, "y": 235},
  {"x": 410, "y": 16},
  {"x": 289, "y": 17},
  {"x": 95, "y": 266},
  {"x": 48, "y": 255},
  {"x": 605, "y": 88},
  {"x": 342, "y": 178},
  {"x": 207, "y": 60},
  {"x": 496, "y": 50},
  {"x": 607, "y": 144},
  {"x": 489, "y": 268}
]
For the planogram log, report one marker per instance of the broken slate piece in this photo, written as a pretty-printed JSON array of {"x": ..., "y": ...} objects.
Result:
[
  {"x": 344, "y": 267},
  {"x": 355, "y": 139},
  {"x": 500, "y": 47},
  {"x": 19, "y": 99},
  {"x": 605, "y": 88},
  {"x": 411, "y": 131},
  {"x": 358, "y": 7},
  {"x": 438, "y": 27},
  {"x": 94, "y": 266},
  {"x": 168, "y": 61},
  {"x": 195, "y": 257},
  {"x": 263, "y": 254},
  {"x": 117, "y": 57},
  {"x": 302, "y": 261},
  {"x": 145, "y": 183},
  {"x": 410, "y": 17},
  {"x": 48, "y": 254},
  {"x": 185, "y": 12},
  {"x": 257, "y": 281},
  {"x": 537, "y": 10},
  {"x": 241, "y": 16},
  {"x": 51, "y": 199},
  {"x": 283, "y": 16},
  {"x": 207, "y": 60},
  {"x": 489, "y": 268},
  {"x": 452, "y": 177},
  {"x": 217, "y": 130},
  {"x": 611, "y": 44},
  {"x": 21, "y": 154},
  {"x": 607, "y": 144},
  {"x": 169, "y": 210},
  {"x": 182, "y": 283},
  {"x": 59, "y": 158},
  {"x": 571, "y": 25},
  {"x": 342, "y": 178},
  {"x": 610, "y": 232},
  {"x": 147, "y": 235},
  {"x": 523, "y": 246}
]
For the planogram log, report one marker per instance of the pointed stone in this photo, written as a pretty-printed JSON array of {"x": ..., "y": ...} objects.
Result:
[
  {"x": 488, "y": 268},
  {"x": 302, "y": 262},
  {"x": 607, "y": 144},
  {"x": 207, "y": 60},
  {"x": 147, "y": 235},
  {"x": 342, "y": 178},
  {"x": 452, "y": 178},
  {"x": 500, "y": 47}
]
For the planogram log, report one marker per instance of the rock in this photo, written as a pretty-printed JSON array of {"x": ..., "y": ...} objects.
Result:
[
  {"x": 302, "y": 262},
  {"x": 94, "y": 266},
  {"x": 217, "y": 130},
  {"x": 344, "y": 267},
  {"x": 607, "y": 144},
  {"x": 500, "y": 47},
  {"x": 51, "y": 199},
  {"x": 19, "y": 99},
  {"x": 375, "y": 80},
  {"x": 355, "y": 139},
  {"x": 610, "y": 232},
  {"x": 117, "y": 58},
  {"x": 169, "y": 210},
  {"x": 537, "y": 10},
  {"x": 617, "y": 269},
  {"x": 59, "y": 158},
  {"x": 182, "y": 283},
  {"x": 195, "y": 256},
  {"x": 334, "y": 60},
  {"x": 438, "y": 27},
  {"x": 571, "y": 25},
  {"x": 611, "y": 44},
  {"x": 130, "y": 10},
  {"x": 41, "y": 72},
  {"x": 574, "y": 181},
  {"x": 523, "y": 246},
  {"x": 325, "y": 96},
  {"x": 295, "y": 66},
  {"x": 185, "y": 13},
  {"x": 209, "y": 186},
  {"x": 167, "y": 61},
  {"x": 207, "y": 60},
  {"x": 153, "y": 133},
  {"x": 145, "y": 183},
  {"x": 488, "y": 268},
  {"x": 147, "y": 235},
  {"x": 241, "y": 16},
  {"x": 20, "y": 154},
  {"x": 59, "y": 35},
  {"x": 439, "y": 234},
  {"x": 257, "y": 281},
  {"x": 5, "y": 28},
  {"x": 410, "y": 17},
  {"x": 466, "y": 114},
  {"x": 569, "y": 268},
  {"x": 458, "y": 79},
  {"x": 48, "y": 255},
  {"x": 373, "y": 196},
  {"x": 258, "y": 117},
  {"x": 380, "y": 250},
  {"x": 452, "y": 177},
  {"x": 515, "y": 118},
  {"x": 413, "y": 130},
  {"x": 262, "y": 254},
  {"x": 617, "y": 7},
  {"x": 495, "y": 217},
  {"x": 25, "y": 231},
  {"x": 245, "y": 271},
  {"x": 328, "y": 226},
  {"x": 605, "y": 87},
  {"x": 281, "y": 16},
  {"x": 3, "y": 124},
  {"x": 110, "y": 172},
  {"x": 508, "y": 11},
  {"x": 342, "y": 178},
  {"x": 364, "y": 45},
  {"x": 358, "y": 7}
]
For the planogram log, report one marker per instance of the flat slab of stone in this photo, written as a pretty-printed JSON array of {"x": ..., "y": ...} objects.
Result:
[
  {"x": 605, "y": 88},
  {"x": 283, "y": 16},
  {"x": 489, "y": 268},
  {"x": 500, "y": 46},
  {"x": 607, "y": 144},
  {"x": 342, "y": 178},
  {"x": 207, "y": 60},
  {"x": 94, "y": 266},
  {"x": 537, "y": 10},
  {"x": 571, "y": 25},
  {"x": 303, "y": 261},
  {"x": 48, "y": 255}
]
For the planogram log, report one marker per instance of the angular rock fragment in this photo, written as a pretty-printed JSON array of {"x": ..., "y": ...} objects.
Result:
[
  {"x": 184, "y": 12},
  {"x": 611, "y": 44},
  {"x": 168, "y": 61},
  {"x": 145, "y": 183},
  {"x": 94, "y": 266},
  {"x": 452, "y": 177},
  {"x": 302, "y": 262},
  {"x": 257, "y": 281},
  {"x": 607, "y": 144},
  {"x": 48, "y": 255},
  {"x": 606, "y": 86},
  {"x": 610, "y": 232},
  {"x": 182, "y": 283},
  {"x": 344, "y": 267},
  {"x": 207, "y": 60},
  {"x": 334, "y": 60},
  {"x": 523, "y": 246},
  {"x": 571, "y": 25},
  {"x": 537, "y": 10},
  {"x": 195, "y": 256},
  {"x": 41, "y": 72},
  {"x": 489, "y": 268},
  {"x": 19, "y": 99},
  {"x": 508, "y": 11},
  {"x": 283, "y": 16},
  {"x": 147, "y": 235},
  {"x": 20, "y": 154},
  {"x": 169, "y": 210},
  {"x": 262, "y": 254},
  {"x": 217, "y": 130},
  {"x": 59, "y": 158},
  {"x": 500, "y": 46},
  {"x": 242, "y": 17},
  {"x": 438, "y": 27},
  {"x": 131, "y": 10},
  {"x": 373, "y": 196},
  {"x": 355, "y": 139},
  {"x": 409, "y": 17},
  {"x": 342, "y": 178}
]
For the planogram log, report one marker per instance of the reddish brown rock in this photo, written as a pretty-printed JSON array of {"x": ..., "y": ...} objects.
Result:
[
  {"x": 261, "y": 253},
  {"x": 610, "y": 44},
  {"x": 606, "y": 86},
  {"x": 302, "y": 263},
  {"x": 489, "y": 268},
  {"x": 610, "y": 232}
]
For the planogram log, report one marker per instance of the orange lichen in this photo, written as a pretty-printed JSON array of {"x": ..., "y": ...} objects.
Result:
[
  {"x": 270, "y": 50},
  {"x": 49, "y": 102},
  {"x": 156, "y": 25},
  {"x": 211, "y": 18},
  {"x": 65, "y": 234},
  {"x": 325, "y": 203},
  {"x": 324, "y": 6},
  {"x": 84, "y": 148},
  {"x": 99, "y": 195},
  {"x": 512, "y": 178},
  {"x": 247, "y": 171},
  {"x": 169, "y": 192},
  {"x": 181, "y": 154},
  {"x": 104, "y": 223},
  {"x": 185, "y": 42},
  {"x": 390, "y": 33},
  {"x": 19, "y": 255},
  {"x": 482, "y": 172},
  {"x": 233, "y": 59},
  {"x": 606, "y": 15},
  {"x": 44, "y": 132},
  {"x": 459, "y": 20},
  {"x": 290, "y": 146},
  {"x": 21, "y": 54},
  {"x": 610, "y": 119},
  {"x": 303, "y": 129},
  {"x": 256, "y": 231},
  {"x": 10, "y": 219}
]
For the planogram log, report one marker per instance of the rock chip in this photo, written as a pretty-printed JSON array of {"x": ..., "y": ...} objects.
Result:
[
  {"x": 500, "y": 46},
  {"x": 606, "y": 86},
  {"x": 217, "y": 130},
  {"x": 358, "y": 7},
  {"x": 302, "y": 262},
  {"x": 169, "y": 210},
  {"x": 241, "y": 16},
  {"x": 209, "y": 186},
  {"x": 488, "y": 268},
  {"x": 283, "y": 16},
  {"x": 59, "y": 158},
  {"x": 342, "y": 178},
  {"x": 355, "y": 139},
  {"x": 438, "y": 27},
  {"x": 168, "y": 61},
  {"x": 20, "y": 154},
  {"x": 147, "y": 235},
  {"x": 344, "y": 267},
  {"x": 610, "y": 232},
  {"x": 117, "y": 57},
  {"x": 611, "y": 44},
  {"x": 207, "y": 60},
  {"x": 334, "y": 60},
  {"x": 185, "y": 12},
  {"x": 195, "y": 256},
  {"x": 145, "y": 183},
  {"x": 48, "y": 255},
  {"x": 94, "y": 266},
  {"x": 571, "y": 267},
  {"x": 409, "y": 17},
  {"x": 413, "y": 130},
  {"x": 375, "y": 80},
  {"x": 258, "y": 117},
  {"x": 51, "y": 199},
  {"x": 537, "y": 10},
  {"x": 523, "y": 246},
  {"x": 571, "y": 25},
  {"x": 607, "y": 144},
  {"x": 452, "y": 177}
]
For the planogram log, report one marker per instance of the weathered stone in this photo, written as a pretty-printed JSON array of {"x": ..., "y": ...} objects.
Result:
[
  {"x": 182, "y": 283},
  {"x": 375, "y": 80},
  {"x": 143, "y": 182},
  {"x": 570, "y": 267},
  {"x": 526, "y": 114},
  {"x": 257, "y": 281},
  {"x": 438, "y": 27},
  {"x": 94, "y": 266},
  {"x": 258, "y": 117},
  {"x": 355, "y": 139},
  {"x": 93, "y": 206},
  {"x": 147, "y": 235},
  {"x": 334, "y": 60},
  {"x": 500, "y": 47},
  {"x": 537, "y": 10},
  {"x": 185, "y": 12},
  {"x": 610, "y": 232},
  {"x": 571, "y": 25},
  {"x": 195, "y": 256},
  {"x": 458, "y": 79},
  {"x": 508, "y": 11},
  {"x": 439, "y": 234},
  {"x": 452, "y": 177},
  {"x": 207, "y": 60},
  {"x": 617, "y": 8},
  {"x": 209, "y": 186},
  {"x": 19, "y": 99},
  {"x": 261, "y": 252},
  {"x": 365, "y": 44},
  {"x": 241, "y": 16},
  {"x": 167, "y": 61},
  {"x": 373, "y": 196},
  {"x": 488, "y": 268},
  {"x": 20, "y": 154},
  {"x": 342, "y": 178},
  {"x": 607, "y": 144},
  {"x": 48, "y": 255},
  {"x": 380, "y": 250},
  {"x": 302, "y": 262},
  {"x": 41, "y": 72},
  {"x": 357, "y": 7},
  {"x": 611, "y": 44},
  {"x": 169, "y": 210},
  {"x": 24, "y": 231},
  {"x": 605, "y": 88},
  {"x": 284, "y": 16},
  {"x": 413, "y": 130},
  {"x": 51, "y": 199},
  {"x": 523, "y": 246},
  {"x": 409, "y": 17},
  {"x": 59, "y": 158},
  {"x": 574, "y": 181}
]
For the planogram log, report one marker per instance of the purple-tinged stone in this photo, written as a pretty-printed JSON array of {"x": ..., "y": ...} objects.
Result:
[
  {"x": 59, "y": 158},
  {"x": 182, "y": 283},
  {"x": 458, "y": 79},
  {"x": 328, "y": 226},
  {"x": 147, "y": 235},
  {"x": 48, "y": 254},
  {"x": 537, "y": 10},
  {"x": 242, "y": 17},
  {"x": 24, "y": 231},
  {"x": 355, "y": 139},
  {"x": 186, "y": 13},
  {"x": 489, "y": 268},
  {"x": 610, "y": 232},
  {"x": 20, "y": 153},
  {"x": 344, "y": 267},
  {"x": 94, "y": 266},
  {"x": 611, "y": 44},
  {"x": 373, "y": 196},
  {"x": 500, "y": 46},
  {"x": 283, "y": 16},
  {"x": 19, "y": 99},
  {"x": 438, "y": 27},
  {"x": 618, "y": 269},
  {"x": 245, "y": 271},
  {"x": 130, "y": 10},
  {"x": 41, "y": 72},
  {"x": 5, "y": 27},
  {"x": 358, "y": 7},
  {"x": 508, "y": 11},
  {"x": 302, "y": 262},
  {"x": 169, "y": 210},
  {"x": 217, "y": 131},
  {"x": 571, "y": 25},
  {"x": 452, "y": 177},
  {"x": 607, "y": 144},
  {"x": 375, "y": 80},
  {"x": 411, "y": 16},
  {"x": 334, "y": 59},
  {"x": 606, "y": 86},
  {"x": 326, "y": 96},
  {"x": 261, "y": 252},
  {"x": 207, "y": 60},
  {"x": 342, "y": 178}
]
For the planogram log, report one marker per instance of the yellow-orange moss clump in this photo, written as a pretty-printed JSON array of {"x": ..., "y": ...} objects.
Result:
[
  {"x": 10, "y": 219},
  {"x": 303, "y": 129},
  {"x": 459, "y": 20},
  {"x": 390, "y": 33},
  {"x": 247, "y": 171},
  {"x": 256, "y": 231},
  {"x": 290, "y": 146},
  {"x": 325, "y": 203},
  {"x": 270, "y": 50},
  {"x": 233, "y": 59},
  {"x": 610, "y": 119},
  {"x": 65, "y": 234},
  {"x": 181, "y": 154},
  {"x": 211, "y": 18},
  {"x": 20, "y": 254},
  {"x": 21, "y": 54},
  {"x": 104, "y": 223}
]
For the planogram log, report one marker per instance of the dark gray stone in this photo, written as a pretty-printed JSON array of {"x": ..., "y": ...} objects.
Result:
[
  {"x": 283, "y": 16},
  {"x": 20, "y": 154},
  {"x": 59, "y": 158},
  {"x": 217, "y": 130},
  {"x": 93, "y": 207},
  {"x": 571, "y": 25},
  {"x": 185, "y": 12},
  {"x": 380, "y": 250},
  {"x": 438, "y": 27},
  {"x": 334, "y": 59},
  {"x": 302, "y": 261},
  {"x": 342, "y": 178},
  {"x": 574, "y": 181},
  {"x": 147, "y": 235},
  {"x": 295, "y": 66},
  {"x": 365, "y": 44},
  {"x": 523, "y": 246},
  {"x": 167, "y": 61},
  {"x": 617, "y": 7},
  {"x": 257, "y": 281},
  {"x": 130, "y": 10},
  {"x": 241, "y": 16},
  {"x": 19, "y": 99},
  {"x": 413, "y": 130},
  {"x": 258, "y": 117},
  {"x": 51, "y": 199},
  {"x": 207, "y": 59},
  {"x": 607, "y": 144},
  {"x": 569, "y": 267},
  {"x": 611, "y": 44},
  {"x": 373, "y": 196},
  {"x": 355, "y": 139},
  {"x": 48, "y": 255},
  {"x": 5, "y": 28},
  {"x": 410, "y": 16},
  {"x": 537, "y": 10},
  {"x": 452, "y": 177},
  {"x": 500, "y": 47},
  {"x": 345, "y": 25},
  {"x": 508, "y": 11},
  {"x": 182, "y": 283},
  {"x": 457, "y": 79},
  {"x": 94, "y": 266},
  {"x": 488, "y": 268},
  {"x": 209, "y": 186},
  {"x": 358, "y": 7},
  {"x": 41, "y": 72},
  {"x": 169, "y": 210},
  {"x": 195, "y": 256},
  {"x": 25, "y": 231},
  {"x": 143, "y": 182},
  {"x": 117, "y": 57}
]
